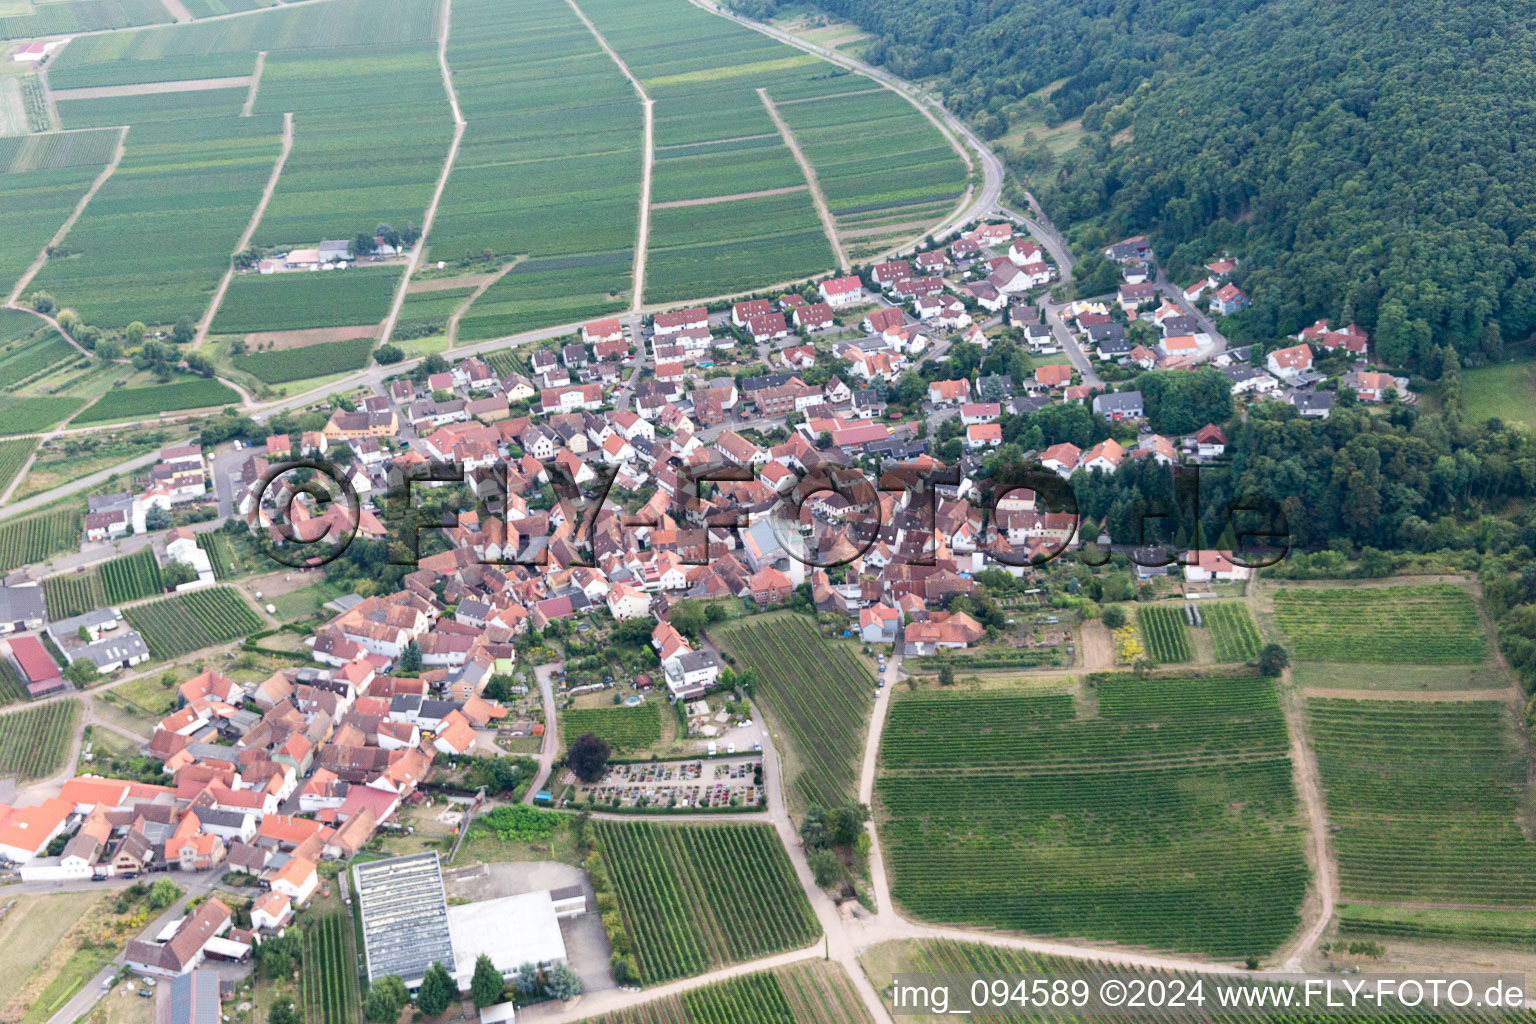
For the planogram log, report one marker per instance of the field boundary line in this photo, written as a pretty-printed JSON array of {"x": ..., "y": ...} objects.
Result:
[
  {"x": 250, "y": 229},
  {"x": 817, "y": 196},
  {"x": 445, "y": 18},
  {"x": 48, "y": 100},
  {"x": 647, "y": 106},
  {"x": 69, "y": 222},
  {"x": 250, "y": 96},
  {"x": 712, "y": 200}
]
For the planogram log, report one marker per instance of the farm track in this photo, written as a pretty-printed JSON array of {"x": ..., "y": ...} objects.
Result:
[
  {"x": 480, "y": 289},
  {"x": 64, "y": 229},
  {"x": 245, "y": 236},
  {"x": 1324, "y": 896},
  {"x": 250, "y": 96},
  {"x": 643, "y": 230},
  {"x": 822, "y": 210},
  {"x": 459, "y": 124}
]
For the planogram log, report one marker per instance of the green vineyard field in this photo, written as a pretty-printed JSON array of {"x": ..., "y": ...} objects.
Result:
[
  {"x": 1166, "y": 819},
  {"x": 697, "y": 897},
  {"x": 818, "y": 689}
]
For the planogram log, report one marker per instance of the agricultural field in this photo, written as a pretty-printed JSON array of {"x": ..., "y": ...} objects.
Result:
[
  {"x": 809, "y": 992},
  {"x": 147, "y": 72},
  {"x": 696, "y": 897},
  {"x": 1495, "y": 927},
  {"x": 23, "y": 414},
  {"x": 1161, "y": 815},
  {"x": 1429, "y": 624},
  {"x": 283, "y": 366},
  {"x": 195, "y": 181},
  {"x": 1233, "y": 631},
  {"x": 362, "y": 154},
  {"x": 13, "y": 688},
  {"x": 1505, "y": 390},
  {"x": 329, "y": 985},
  {"x": 624, "y": 729},
  {"x": 221, "y": 555},
  {"x": 192, "y": 621},
  {"x": 428, "y": 311},
  {"x": 870, "y": 149},
  {"x": 150, "y": 108},
  {"x": 818, "y": 690},
  {"x": 24, "y": 541},
  {"x": 131, "y": 577},
  {"x": 14, "y": 455},
  {"x": 73, "y": 594},
  {"x": 30, "y": 347},
  {"x": 36, "y": 201},
  {"x": 340, "y": 23},
  {"x": 286, "y": 302},
  {"x": 1163, "y": 627},
  {"x": 554, "y": 138},
  {"x": 58, "y": 17},
  {"x": 192, "y": 393},
  {"x": 35, "y": 741},
  {"x": 1425, "y": 799},
  {"x": 723, "y": 248}
]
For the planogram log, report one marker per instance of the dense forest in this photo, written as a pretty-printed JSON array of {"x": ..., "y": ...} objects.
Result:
[{"x": 1366, "y": 160}]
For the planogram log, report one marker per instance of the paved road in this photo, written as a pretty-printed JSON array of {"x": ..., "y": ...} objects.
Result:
[
  {"x": 550, "y": 751},
  {"x": 82, "y": 1001}
]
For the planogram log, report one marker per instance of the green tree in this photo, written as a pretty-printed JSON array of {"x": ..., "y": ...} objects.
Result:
[
  {"x": 163, "y": 893},
  {"x": 562, "y": 983},
  {"x": 1113, "y": 616},
  {"x": 946, "y": 675},
  {"x": 527, "y": 979},
  {"x": 284, "y": 1012},
  {"x": 134, "y": 332},
  {"x": 82, "y": 672},
  {"x": 588, "y": 757},
  {"x": 1273, "y": 659},
  {"x": 410, "y": 658},
  {"x": 184, "y": 330},
  {"x": 825, "y": 866},
  {"x": 386, "y": 997},
  {"x": 437, "y": 991},
  {"x": 177, "y": 572},
  {"x": 486, "y": 985},
  {"x": 688, "y": 617},
  {"x": 386, "y": 355}
]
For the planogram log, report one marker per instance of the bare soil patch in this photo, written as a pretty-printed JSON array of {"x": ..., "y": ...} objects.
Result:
[
  {"x": 731, "y": 198},
  {"x": 103, "y": 92},
  {"x": 1098, "y": 647},
  {"x": 280, "y": 340},
  {"x": 446, "y": 284}
]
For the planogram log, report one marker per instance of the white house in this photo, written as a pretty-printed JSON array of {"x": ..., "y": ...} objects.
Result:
[{"x": 842, "y": 292}]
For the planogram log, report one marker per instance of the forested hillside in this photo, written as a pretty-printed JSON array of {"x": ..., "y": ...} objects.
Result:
[{"x": 1369, "y": 161}]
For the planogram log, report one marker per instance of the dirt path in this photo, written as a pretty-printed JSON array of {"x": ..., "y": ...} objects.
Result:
[
  {"x": 445, "y": 25},
  {"x": 822, "y": 210},
  {"x": 474, "y": 297},
  {"x": 245, "y": 236},
  {"x": 1098, "y": 647},
  {"x": 643, "y": 231},
  {"x": 250, "y": 96},
  {"x": 58, "y": 236},
  {"x": 730, "y": 199},
  {"x": 106, "y": 92},
  {"x": 550, "y": 748},
  {"x": 177, "y": 10},
  {"x": 1324, "y": 692},
  {"x": 1320, "y": 902}
]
